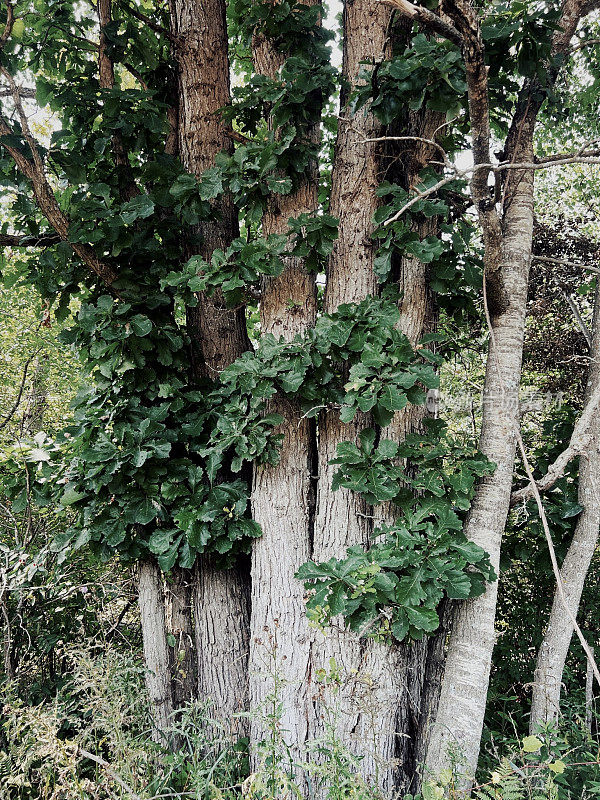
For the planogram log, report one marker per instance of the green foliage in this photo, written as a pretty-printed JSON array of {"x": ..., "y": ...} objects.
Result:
[
  {"x": 153, "y": 461},
  {"x": 399, "y": 581},
  {"x": 428, "y": 72}
]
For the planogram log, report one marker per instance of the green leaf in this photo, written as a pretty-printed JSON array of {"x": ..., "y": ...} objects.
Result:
[
  {"x": 70, "y": 496},
  {"x": 531, "y": 744},
  {"x": 139, "y": 207},
  {"x": 141, "y": 325},
  {"x": 160, "y": 541}
]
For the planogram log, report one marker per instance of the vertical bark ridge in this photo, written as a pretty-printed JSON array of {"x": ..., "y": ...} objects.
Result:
[
  {"x": 574, "y": 569},
  {"x": 283, "y": 495},
  {"x": 156, "y": 656},
  {"x": 370, "y": 673},
  {"x": 219, "y": 597}
]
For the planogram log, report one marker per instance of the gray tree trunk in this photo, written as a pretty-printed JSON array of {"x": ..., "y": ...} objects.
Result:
[
  {"x": 559, "y": 631},
  {"x": 366, "y": 699},
  {"x": 156, "y": 650},
  {"x": 459, "y": 720},
  {"x": 508, "y": 240},
  {"x": 219, "y": 597},
  {"x": 282, "y": 495}
]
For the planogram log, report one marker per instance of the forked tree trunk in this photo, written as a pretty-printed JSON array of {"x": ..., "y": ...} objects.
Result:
[
  {"x": 364, "y": 703},
  {"x": 559, "y": 631},
  {"x": 282, "y": 495},
  {"x": 219, "y": 597},
  {"x": 156, "y": 652},
  {"x": 508, "y": 242}
]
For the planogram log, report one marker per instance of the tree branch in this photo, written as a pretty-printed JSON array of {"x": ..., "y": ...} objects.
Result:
[
  {"x": 555, "y": 568},
  {"x": 427, "y": 19},
  {"x": 106, "y": 72},
  {"x": 47, "y": 203},
  {"x": 154, "y": 26},
  {"x": 563, "y": 263},
  {"x": 546, "y": 163},
  {"x": 578, "y": 318},
  {"x": 22, "y": 240},
  {"x": 25, "y": 93},
  {"x": 579, "y": 440},
  {"x": 10, "y": 21}
]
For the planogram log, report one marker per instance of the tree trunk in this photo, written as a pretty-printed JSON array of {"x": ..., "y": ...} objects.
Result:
[
  {"x": 373, "y": 674},
  {"x": 221, "y": 611},
  {"x": 282, "y": 495},
  {"x": 559, "y": 631},
  {"x": 459, "y": 720},
  {"x": 156, "y": 651},
  {"x": 178, "y": 608},
  {"x": 456, "y": 734},
  {"x": 218, "y": 334}
]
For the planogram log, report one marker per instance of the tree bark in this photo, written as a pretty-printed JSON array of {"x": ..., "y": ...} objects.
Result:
[
  {"x": 218, "y": 334},
  {"x": 559, "y": 631},
  {"x": 508, "y": 242},
  {"x": 373, "y": 675},
  {"x": 178, "y": 611},
  {"x": 459, "y": 720},
  {"x": 282, "y": 495},
  {"x": 156, "y": 650}
]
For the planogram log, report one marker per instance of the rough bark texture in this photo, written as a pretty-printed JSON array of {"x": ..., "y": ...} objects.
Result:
[
  {"x": 387, "y": 690},
  {"x": 379, "y": 698},
  {"x": 559, "y": 631},
  {"x": 182, "y": 648},
  {"x": 220, "y": 597},
  {"x": 156, "y": 650},
  {"x": 282, "y": 495},
  {"x": 222, "y": 630}
]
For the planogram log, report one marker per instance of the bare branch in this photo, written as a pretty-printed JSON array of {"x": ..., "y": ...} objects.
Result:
[
  {"x": 25, "y": 93},
  {"x": 578, "y": 319},
  {"x": 555, "y": 568},
  {"x": 10, "y": 21},
  {"x": 546, "y": 163},
  {"x": 430, "y": 142},
  {"x": 579, "y": 440},
  {"x": 17, "y": 402},
  {"x": 563, "y": 263},
  {"x": 154, "y": 26},
  {"x": 586, "y": 43},
  {"x": 22, "y": 240}
]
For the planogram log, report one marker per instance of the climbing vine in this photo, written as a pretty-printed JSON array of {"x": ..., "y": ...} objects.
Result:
[{"x": 154, "y": 463}]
